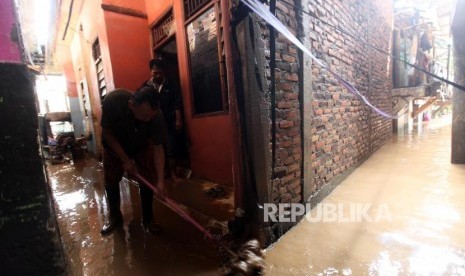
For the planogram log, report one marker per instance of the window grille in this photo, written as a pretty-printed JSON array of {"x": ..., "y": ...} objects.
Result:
[
  {"x": 192, "y": 6},
  {"x": 97, "y": 55},
  {"x": 163, "y": 29},
  {"x": 205, "y": 37}
]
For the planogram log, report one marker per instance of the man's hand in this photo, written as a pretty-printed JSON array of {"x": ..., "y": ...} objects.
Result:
[{"x": 130, "y": 166}]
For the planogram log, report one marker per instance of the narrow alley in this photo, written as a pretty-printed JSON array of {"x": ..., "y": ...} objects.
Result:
[
  {"x": 81, "y": 210},
  {"x": 412, "y": 178},
  {"x": 279, "y": 137}
]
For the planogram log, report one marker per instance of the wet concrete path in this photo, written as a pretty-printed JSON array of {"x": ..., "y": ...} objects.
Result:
[
  {"x": 81, "y": 211},
  {"x": 410, "y": 180}
]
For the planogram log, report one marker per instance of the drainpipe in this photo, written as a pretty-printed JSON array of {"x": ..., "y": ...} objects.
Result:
[{"x": 69, "y": 19}]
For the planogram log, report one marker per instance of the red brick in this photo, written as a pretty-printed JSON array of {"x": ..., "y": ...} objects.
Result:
[
  {"x": 318, "y": 111},
  {"x": 292, "y": 77},
  {"x": 286, "y": 198},
  {"x": 297, "y": 199},
  {"x": 293, "y": 114},
  {"x": 294, "y": 167},
  {"x": 280, "y": 6},
  {"x": 288, "y": 58},
  {"x": 293, "y": 132},
  {"x": 291, "y": 96},
  {"x": 285, "y": 144},
  {"x": 285, "y": 86},
  {"x": 294, "y": 184},
  {"x": 287, "y": 178},
  {"x": 284, "y": 105},
  {"x": 286, "y": 124},
  {"x": 292, "y": 50}
]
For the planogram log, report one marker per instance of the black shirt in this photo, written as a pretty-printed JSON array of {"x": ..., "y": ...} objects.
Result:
[
  {"x": 170, "y": 100},
  {"x": 133, "y": 135}
]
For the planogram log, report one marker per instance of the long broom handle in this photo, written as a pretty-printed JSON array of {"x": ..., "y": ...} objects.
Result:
[{"x": 175, "y": 207}]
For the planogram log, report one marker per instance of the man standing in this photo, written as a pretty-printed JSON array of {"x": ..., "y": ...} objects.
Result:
[
  {"x": 171, "y": 105},
  {"x": 132, "y": 130}
]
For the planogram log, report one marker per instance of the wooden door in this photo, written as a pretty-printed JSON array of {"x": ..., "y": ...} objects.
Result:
[
  {"x": 206, "y": 116},
  {"x": 206, "y": 102}
]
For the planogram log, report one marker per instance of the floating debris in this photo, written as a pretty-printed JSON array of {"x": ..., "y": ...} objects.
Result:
[{"x": 247, "y": 260}]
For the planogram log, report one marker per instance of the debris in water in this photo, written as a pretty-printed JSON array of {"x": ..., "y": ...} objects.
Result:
[{"x": 247, "y": 261}]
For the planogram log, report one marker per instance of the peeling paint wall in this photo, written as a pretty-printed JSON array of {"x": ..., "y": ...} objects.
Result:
[
  {"x": 125, "y": 52},
  {"x": 30, "y": 242},
  {"x": 129, "y": 47},
  {"x": 9, "y": 51}
]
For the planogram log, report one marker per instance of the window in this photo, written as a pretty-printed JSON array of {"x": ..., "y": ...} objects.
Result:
[
  {"x": 97, "y": 55},
  {"x": 192, "y": 6},
  {"x": 165, "y": 28},
  {"x": 207, "y": 62}
]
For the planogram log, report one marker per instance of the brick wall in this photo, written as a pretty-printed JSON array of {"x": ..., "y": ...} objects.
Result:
[
  {"x": 345, "y": 131},
  {"x": 288, "y": 151}
]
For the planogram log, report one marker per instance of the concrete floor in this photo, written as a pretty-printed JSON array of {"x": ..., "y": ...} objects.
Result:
[
  {"x": 180, "y": 250},
  {"x": 420, "y": 199}
]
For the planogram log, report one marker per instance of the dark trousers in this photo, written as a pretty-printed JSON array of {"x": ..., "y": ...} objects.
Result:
[
  {"x": 175, "y": 148},
  {"x": 113, "y": 173}
]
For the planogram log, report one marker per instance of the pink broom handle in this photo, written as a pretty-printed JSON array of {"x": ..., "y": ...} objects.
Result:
[{"x": 174, "y": 206}]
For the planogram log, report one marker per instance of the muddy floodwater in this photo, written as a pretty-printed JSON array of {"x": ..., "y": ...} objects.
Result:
[
  {"x": 402, "y": 212},
  {"x": 418, "y": 197},
  {"x": 81, "y": 211}
]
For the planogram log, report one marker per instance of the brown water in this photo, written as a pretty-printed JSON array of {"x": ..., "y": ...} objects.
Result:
[
  {"x": 81, "y": 210},
  {"x": 421, "y": 230},
  {"x": 410, "y": 179}
]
